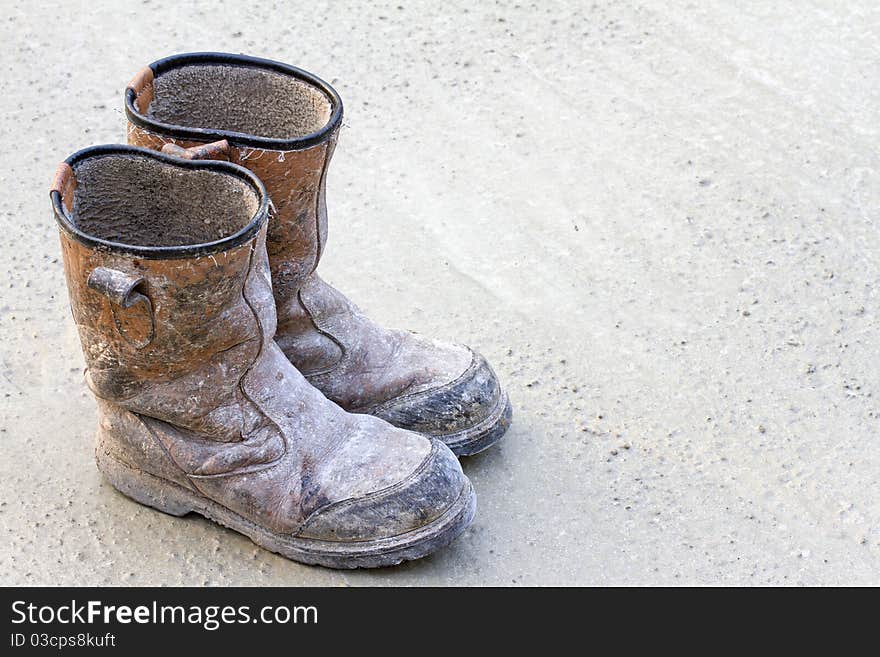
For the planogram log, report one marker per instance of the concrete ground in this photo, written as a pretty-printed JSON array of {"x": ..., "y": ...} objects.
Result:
[{"x": 658, "y": 220}]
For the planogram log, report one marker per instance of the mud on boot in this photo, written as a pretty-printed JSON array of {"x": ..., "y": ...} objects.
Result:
[{"x": 199, "y": 410}]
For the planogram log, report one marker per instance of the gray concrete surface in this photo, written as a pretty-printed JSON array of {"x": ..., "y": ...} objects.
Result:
[{"x": 657, "y": 219}]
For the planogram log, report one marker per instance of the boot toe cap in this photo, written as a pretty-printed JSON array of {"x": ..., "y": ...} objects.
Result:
[
  {"x": 435, "y": 490},
  {"x": 469, "y": 413}
]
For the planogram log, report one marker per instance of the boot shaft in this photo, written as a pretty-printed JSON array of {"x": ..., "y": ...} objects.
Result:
[
  {"x": 281, "y": 123},
  {"x": 167, "y": 277}
]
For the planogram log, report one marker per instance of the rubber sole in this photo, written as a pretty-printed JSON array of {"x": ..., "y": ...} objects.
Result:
[
  {"x": 171, "y": 498},
  {"x": 483, "y": 435}
]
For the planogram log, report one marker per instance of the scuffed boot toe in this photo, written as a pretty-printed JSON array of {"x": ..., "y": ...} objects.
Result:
[
  {"x": 469, "y": 413},
  {"x": 409, "y": 519}
]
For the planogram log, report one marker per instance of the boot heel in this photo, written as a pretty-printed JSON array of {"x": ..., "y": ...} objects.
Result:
[{"x": 142, "y": 487}]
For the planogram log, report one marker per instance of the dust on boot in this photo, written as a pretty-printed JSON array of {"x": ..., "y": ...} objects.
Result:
[
  {"x": 282, "y": 124},
  {"x": 199, "y": 410}
]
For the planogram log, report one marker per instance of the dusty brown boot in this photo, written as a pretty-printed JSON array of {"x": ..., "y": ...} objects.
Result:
[
  {"x": 282, "y": 124},
  {"x": 199, "y": 410}
]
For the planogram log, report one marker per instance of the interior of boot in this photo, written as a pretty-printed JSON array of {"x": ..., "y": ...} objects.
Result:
[
  {"x": 140, "y": 201},
  {"x": 243, "y": 99}
]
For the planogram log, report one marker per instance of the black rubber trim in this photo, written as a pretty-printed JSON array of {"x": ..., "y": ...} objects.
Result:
[
  {"x": 236, "y": 138},
  {"x": 164, "y": 252}
]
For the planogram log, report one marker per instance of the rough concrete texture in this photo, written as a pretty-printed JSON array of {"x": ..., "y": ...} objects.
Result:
[{"x": 658, "y": 220}]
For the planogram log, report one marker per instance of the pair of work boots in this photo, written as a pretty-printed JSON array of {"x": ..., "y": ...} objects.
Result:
[{"x": 231, "y": 380}]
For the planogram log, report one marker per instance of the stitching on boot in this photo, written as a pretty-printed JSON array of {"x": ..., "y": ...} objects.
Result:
[
  {"x": 341, "y": 504},
  {"x": 166, "y": 452},
  {"x": 262, "y": 346},
  {"x": 326, "y": 333},
  {"x": 329, "y": 148},
  {"x": 475, "y": 361}
]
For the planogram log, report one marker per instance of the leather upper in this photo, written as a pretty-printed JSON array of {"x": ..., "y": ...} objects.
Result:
[{"x": 229, "y": 414}]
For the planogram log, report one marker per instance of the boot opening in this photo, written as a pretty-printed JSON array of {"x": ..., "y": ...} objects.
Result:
[
  {"x": 141, "y": 201},
  {"x": 241, "y": 99}
]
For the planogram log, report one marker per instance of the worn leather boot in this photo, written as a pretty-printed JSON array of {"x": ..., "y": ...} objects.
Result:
[
  {"x": 199, "y": 410},
  {"x": 282, "y": 124}
]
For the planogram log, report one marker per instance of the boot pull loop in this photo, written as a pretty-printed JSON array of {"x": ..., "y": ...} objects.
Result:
[
  {"x": 64, "y": 183},
  {"x": 217, "y": 150},
  {"x": 131, "y": 308},
  {"x": 141, "y": 86}
]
